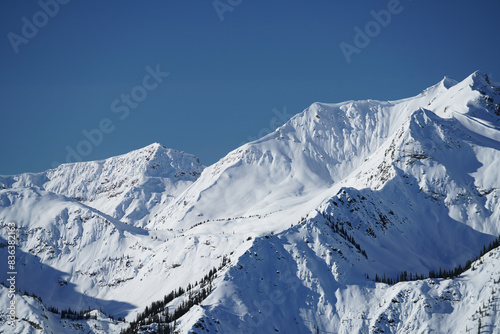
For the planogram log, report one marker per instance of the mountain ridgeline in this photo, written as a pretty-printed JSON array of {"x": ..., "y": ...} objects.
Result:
[{"x": 354, "y": 217}]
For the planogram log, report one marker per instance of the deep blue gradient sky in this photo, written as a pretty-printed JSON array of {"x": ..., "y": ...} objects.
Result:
[{"x": 226, "y": 77}]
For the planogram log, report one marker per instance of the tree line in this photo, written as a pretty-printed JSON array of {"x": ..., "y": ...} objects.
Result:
[
  {"x": 166, "y": 320},
  {"x": 442, "y": 273}
]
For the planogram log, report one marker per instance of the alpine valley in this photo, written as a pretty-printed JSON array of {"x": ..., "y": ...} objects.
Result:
[{"x": 354, "y": 217}]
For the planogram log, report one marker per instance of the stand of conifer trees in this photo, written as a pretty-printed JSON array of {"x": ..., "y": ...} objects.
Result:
[
  {"x": 442, "y": 273},
  {"x": 158, "y": 313}
]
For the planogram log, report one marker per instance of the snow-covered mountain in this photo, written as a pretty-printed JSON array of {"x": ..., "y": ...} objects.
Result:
[
  {"x": 284, "y": 234},
  {"x": 128, "y": 187}
]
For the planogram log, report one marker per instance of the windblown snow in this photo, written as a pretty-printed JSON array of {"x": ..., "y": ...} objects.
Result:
[{"x": 284, "y": 234}]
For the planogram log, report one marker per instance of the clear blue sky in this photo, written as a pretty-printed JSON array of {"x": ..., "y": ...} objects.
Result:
[{"x": 225, "y": 77}]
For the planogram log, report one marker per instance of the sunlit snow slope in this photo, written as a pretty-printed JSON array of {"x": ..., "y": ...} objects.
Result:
[
  {"x": 127, "y": 187},
  {"x": 292, "y": 229}
]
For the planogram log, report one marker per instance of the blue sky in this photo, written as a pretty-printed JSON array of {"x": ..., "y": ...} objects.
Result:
[{"x": 229, "y": 80}]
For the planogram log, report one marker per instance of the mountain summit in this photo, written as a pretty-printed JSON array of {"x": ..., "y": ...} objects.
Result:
[
  {"x": 354, "y": 217},
  {"x": 126, "y": 187}
]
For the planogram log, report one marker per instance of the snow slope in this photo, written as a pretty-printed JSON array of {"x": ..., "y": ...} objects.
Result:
[
  {"x": 340, "y": 192},
  {"x": 320, "y": 147},
  {"x": 308, "y": 280},
  {"x": 127, "y": 187}
]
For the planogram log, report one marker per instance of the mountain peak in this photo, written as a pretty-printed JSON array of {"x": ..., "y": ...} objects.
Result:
[
  {"x": 311, "y": 215},
  {"x": 448, "y": 82},
  {"x": 478, "y": 79},
  {"x": 149, "y": 149},
  {"x": 154, "y": 145},
  {"x": 126, "y": 185},
  {"x": 479, "y": 74}
]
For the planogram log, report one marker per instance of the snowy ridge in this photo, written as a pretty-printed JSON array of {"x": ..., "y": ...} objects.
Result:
[
  {"x": 303, "y": 281},
  {"x": 35, "y": 317},
  {"x": 317, "y": 149},
  {"x": 127, "y": 187},
  {"x": 299, "y": 218}
]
